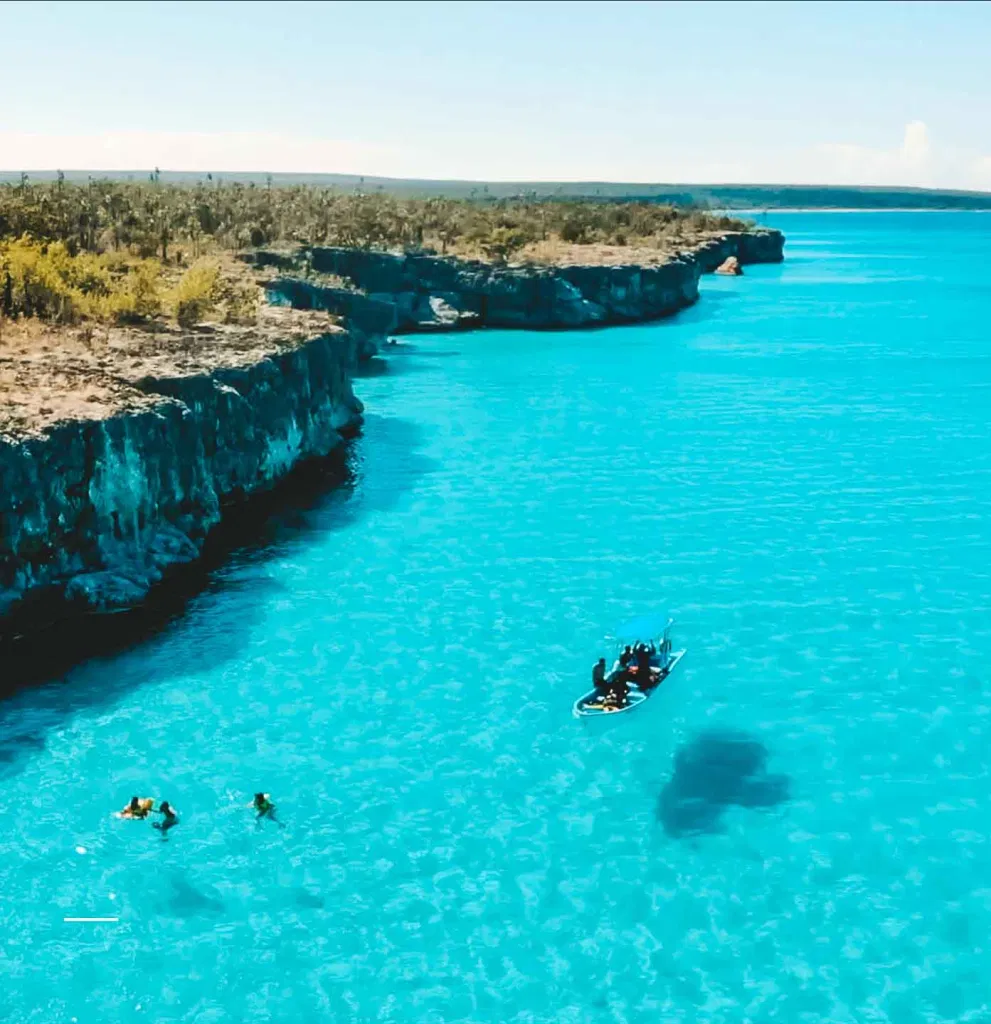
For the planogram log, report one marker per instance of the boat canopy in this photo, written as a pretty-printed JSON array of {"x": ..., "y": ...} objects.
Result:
[{"x": 643, "y": 627}]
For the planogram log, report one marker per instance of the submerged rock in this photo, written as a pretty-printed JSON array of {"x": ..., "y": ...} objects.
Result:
[{"x": 106, "y": 591}]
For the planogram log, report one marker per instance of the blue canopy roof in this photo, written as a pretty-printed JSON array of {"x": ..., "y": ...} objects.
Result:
[{"x": 643, "y": 627}]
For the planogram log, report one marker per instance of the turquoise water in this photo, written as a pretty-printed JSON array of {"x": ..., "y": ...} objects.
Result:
[{"x": 794, "y": 829}]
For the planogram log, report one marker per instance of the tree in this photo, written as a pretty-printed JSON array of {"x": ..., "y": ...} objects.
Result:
[{"x": 503, "y": 243}]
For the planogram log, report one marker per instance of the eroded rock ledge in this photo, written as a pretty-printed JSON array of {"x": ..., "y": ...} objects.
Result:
[
  {"x": 138, "y": 444},
  {"x": 390, "y": 293},
  {"x": 119, "y": 453}
]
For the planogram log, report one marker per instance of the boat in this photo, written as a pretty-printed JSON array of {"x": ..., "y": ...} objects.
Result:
[{"x": 645, "y": 629}]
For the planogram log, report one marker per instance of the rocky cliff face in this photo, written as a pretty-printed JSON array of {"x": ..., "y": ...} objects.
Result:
[
  {"x": 408, "y": 293},
  {"x": 94, "y": 511},
  {"x": 110, "y": 477}
]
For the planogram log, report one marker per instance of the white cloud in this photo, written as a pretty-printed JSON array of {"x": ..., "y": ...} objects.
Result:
[
  {"x": 980, "y": 173},
  {"x": 911, "y": 163},
  {"x": 917, "y": 161},
  {"x": 189, "y": 151}
]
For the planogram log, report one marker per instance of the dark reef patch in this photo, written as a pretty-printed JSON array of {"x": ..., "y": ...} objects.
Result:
[{"x": 715, "y": 771}]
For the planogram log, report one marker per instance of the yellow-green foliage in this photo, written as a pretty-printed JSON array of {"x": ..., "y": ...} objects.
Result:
[
  {"x": 142, "y": 299},
  {"x": 43, "y": 280},
  {"x": 197, "y": 292}
]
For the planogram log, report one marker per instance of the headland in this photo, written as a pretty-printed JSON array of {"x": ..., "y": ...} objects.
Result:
[{"x": 153, "y": 378}]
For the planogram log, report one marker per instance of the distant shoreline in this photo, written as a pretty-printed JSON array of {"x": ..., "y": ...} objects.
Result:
[
  {"x": 847, "y": 209},
  {"x": 722, "y": 195}
]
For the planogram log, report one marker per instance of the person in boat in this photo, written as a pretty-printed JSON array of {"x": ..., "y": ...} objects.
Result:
[
  {"x": 648, "y": 675},
  {"x": 138, "y": 807},
  {"x": 617, "y": 688},
  {"x": 599, "y": 681},
  {"x": 626, "y": 657},
  {"x": 169, "y": 817},
  {"x": 643, "y": 666},
  {"x": 619, "y": 693}
]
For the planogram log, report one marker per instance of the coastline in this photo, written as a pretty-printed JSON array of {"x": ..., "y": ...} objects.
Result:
[
  {"x": 775, "y": 210},
  {"x": 385, "y": 293},
  {"x": 110, "y": 510},
  {"x": 120, "y": 486}
]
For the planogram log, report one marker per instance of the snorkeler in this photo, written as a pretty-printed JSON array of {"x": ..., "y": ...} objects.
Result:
[
  {"x": 262, "y": 803},
  {"x": 169, "y": 817},
  {"x": 137, "y": 808}
]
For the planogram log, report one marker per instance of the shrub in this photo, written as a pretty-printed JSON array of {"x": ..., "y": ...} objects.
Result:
[
  {"x": 196, "y": 293},
  {"x": 241, "y": 301},
  {"x": 573, "y": 230},
  {"x": 140, "y": 298},
  {"x": 502, "y": 243},
  {"x": 45, "y": 281}
]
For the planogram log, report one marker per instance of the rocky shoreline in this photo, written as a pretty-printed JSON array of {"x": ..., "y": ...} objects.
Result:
[
  {"x": 385, "y": 293},
  {"x": 103, "y": 498},
  {"x": 97, "y": 508}
]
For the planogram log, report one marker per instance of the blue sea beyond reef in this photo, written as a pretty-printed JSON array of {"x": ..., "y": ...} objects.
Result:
[{"x": 795, "y": 828}]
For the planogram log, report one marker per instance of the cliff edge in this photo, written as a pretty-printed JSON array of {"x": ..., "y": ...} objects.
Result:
[
  {"x": 120, "y": 449},
  {"x": 382, "y": 293},
  {"x": 117, "y": 461}
]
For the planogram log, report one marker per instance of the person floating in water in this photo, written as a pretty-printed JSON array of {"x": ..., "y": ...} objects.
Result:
[
  {"x": 137, "y": 808},
  {"x": 262, "y": 803},
  {"x": 169, "y": 817}
]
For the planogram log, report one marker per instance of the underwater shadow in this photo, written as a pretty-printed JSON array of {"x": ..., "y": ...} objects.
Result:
[
  {"x": 714, "y": 772},
  {"x": 401, "y": 361},
  {"x": 184, "y": 899},
  {"x": 701, "y": 310},
  {"x": 214, "y": 604}
]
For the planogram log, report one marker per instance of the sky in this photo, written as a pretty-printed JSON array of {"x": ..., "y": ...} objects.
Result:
[{"x": 837, "y": 93}]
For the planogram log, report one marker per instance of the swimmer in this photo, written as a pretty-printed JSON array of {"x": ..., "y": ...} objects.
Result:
[
  {"x": 169, "y": 817},
  {"x": 137, "y": 808},
  {"x": 262, "y": 803}
]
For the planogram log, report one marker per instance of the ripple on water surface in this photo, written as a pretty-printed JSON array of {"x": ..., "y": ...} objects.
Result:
[{"x": 794, "y": 828}]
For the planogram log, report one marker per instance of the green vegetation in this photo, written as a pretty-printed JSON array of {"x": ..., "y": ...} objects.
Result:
[
  {"x": 178, "y": 222},
  {"x": 43, "y": 280},
  {"x": 196, "y": 293},
  {"x": 718, "y": 197},
  {"x": 46, "y": 281},
  {"x": 130, "y": 251}
]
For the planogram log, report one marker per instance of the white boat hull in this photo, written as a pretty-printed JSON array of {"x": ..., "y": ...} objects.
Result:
[{"x": 635, "y": 698}]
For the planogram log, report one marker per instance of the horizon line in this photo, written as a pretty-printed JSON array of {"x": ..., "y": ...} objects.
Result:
[{"x": 506, "y": 182}]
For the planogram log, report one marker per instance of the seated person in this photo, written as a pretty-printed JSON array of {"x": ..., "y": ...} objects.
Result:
[
  {"x": 618, "y": 691},
  {"x": 643, "y": 666},
  {"x": 599, "y": 676},
  {"x": 626, "y": 657}
]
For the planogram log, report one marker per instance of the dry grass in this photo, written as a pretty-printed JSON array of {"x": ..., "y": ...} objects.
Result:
[
  {"x": 50, "y": 374},
  {"x": 554, "y": 252}
]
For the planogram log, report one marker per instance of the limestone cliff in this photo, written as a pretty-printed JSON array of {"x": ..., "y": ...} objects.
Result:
[
  {"x": 409, "y": 293},
  {"x": 95, "y": 508},
  {"x": 118, "y": 458}
]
